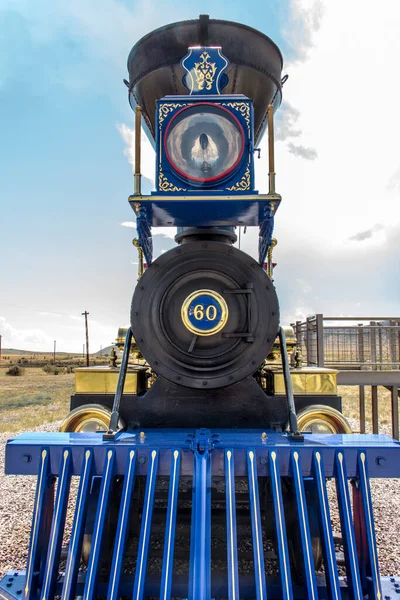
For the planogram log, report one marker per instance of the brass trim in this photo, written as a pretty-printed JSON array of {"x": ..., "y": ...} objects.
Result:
[
  {"x": 222, "y": 304},
  {"x": 138, "y": 129},
  {"x": 308, "y": 382},
  {"x": 274, "y": 242},
  {"x": 137, "y": 245},
  {"x": 243, "y": 184},
  {"x": 271, "y": 150},
  {"x": 211, "y": 197},
  {"x": 103, "y": 380},
  {"x": 331, "y": 417}
]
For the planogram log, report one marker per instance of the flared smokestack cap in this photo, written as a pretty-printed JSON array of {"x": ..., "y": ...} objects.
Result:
[{"x": 255, "y": 65}]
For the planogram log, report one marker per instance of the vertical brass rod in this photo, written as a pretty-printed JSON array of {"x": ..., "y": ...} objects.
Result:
[
  {"x": 271, "y": 150},
  {"x": 135, "y": 242},
  {"x": 270, "y": 269},
  {"x": 137, "y": 176}
]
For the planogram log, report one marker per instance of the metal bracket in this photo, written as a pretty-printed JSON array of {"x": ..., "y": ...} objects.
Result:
[
  {"x": 202, "y": 441},
  {"x": 246, "y": 335},
  {"x": 293, "y": 427},
  {"x": 113, "y": 427}
]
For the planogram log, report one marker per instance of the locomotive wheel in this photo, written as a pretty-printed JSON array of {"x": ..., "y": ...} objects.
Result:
[
  {"x": 88, "y": 417},
  {"x": 202, "y": 344},
  {"x": 319, "y": 418}
]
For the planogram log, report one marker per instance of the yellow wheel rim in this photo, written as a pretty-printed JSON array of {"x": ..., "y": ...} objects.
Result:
[
  {"x": 324, "y": 418},
  {"x": 89, "y": 417}
]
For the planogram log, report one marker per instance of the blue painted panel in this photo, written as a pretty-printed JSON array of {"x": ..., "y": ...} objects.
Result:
[
  {"x": 188, "y": 212},
  {"x": 34, "y": 552},
  {"x": 280, "y": 527},
  {"x": 231, "y": 532},
  {"x": 57, "y": 527},
  {"x": 204, "y": 68},
  {"x": 240, "y": 180},
  {"x": 256, "y": 529},
  {"x": 200, "y": 541},
  {"x": 122, "y": 527},
  {"x": 347, "y": 527},
  {"x": 371, "y": 550},
  {"x": 78, "y": 526},
  {"x": 204, "y": 312},
  {"x": 328, "y": 546},
  {"x": 207, "y": 452},
  {"x": 170, "y": 524},
  {"x": 144, "y": 540},
  {"x": 304, "y": 526},
  {"x": 23, "y": 453},
  {"x": 98, "y": 537}
]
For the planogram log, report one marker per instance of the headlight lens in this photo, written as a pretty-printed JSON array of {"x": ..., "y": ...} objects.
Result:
[{"x": 204, "y": 142}]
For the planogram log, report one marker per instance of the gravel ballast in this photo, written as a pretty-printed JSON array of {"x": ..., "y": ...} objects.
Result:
[{"x": 16, "y": 505}]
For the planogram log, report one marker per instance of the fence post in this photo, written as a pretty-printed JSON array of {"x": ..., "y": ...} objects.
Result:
[
  {"x": 380, "y": 346},
  {"x": 373, "y": 345},
  {"x": 398, "y": 339},
  {"x": 395, "y": 412},
  {"x": 308, "y": 339},
  {"x": 362, "y": 408},
  {"x": 375, "y": 411},
  {"x": 392, "y": 344},
  {"x": 361, "y": 356},
  {"x": 320, "y": 340}
]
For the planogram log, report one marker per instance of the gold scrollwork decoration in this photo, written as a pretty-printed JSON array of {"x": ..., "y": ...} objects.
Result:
[
  {"x": 205, "y": 72},
  {"x": 241, "y": 107},
  {"x": 165, "y": 109},
  {"x": 166, "y": 186},
  {"x": 243, "y": 184}
]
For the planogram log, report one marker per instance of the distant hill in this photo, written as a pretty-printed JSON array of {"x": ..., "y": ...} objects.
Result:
[
  {"x": 103, "y": 352},
  {"x": 16, "y": 352},
  {"x": 13, "y": 351}
]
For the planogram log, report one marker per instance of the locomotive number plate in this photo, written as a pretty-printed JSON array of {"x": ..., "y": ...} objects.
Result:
[{"x": 204, "y": 312}]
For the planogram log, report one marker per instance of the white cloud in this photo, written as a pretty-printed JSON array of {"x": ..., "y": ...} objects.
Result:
[
  {"x": 69, "y": 336},
  {"x": 129, "y": 224},
  {"x": 349, "y": 116},
  {"x": 343, "y": 102},
  {"x": 147, "y": 153},
  {"x": 353, "y": 127},
  {"x": 24, "y": 339}
]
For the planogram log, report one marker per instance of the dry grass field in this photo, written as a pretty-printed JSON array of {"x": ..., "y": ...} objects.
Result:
[
  {"x": 350, "y": 398},
  {"x": 37, "y": 397},
  {"x": 33, "y": 398}
]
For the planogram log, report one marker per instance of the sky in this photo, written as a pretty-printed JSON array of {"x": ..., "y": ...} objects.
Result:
[{"x": 65, "y": 152}]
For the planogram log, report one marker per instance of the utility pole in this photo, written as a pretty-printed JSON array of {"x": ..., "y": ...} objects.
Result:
[
  {"x": 101, "y": 350},
  {"x": 87, "y": 337},
  {"x": 54, "y": 352}
]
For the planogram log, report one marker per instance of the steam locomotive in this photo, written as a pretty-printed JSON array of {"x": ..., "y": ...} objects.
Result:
[{"x": 206, "y": 470}]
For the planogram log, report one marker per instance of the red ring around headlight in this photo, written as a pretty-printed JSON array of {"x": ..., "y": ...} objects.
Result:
[{"x": 204, "y": 179}]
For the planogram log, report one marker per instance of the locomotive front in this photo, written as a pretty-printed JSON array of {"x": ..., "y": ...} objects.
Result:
[
  {"x": 206, "y": 469},
  {"x": 205, "y": 315}
]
